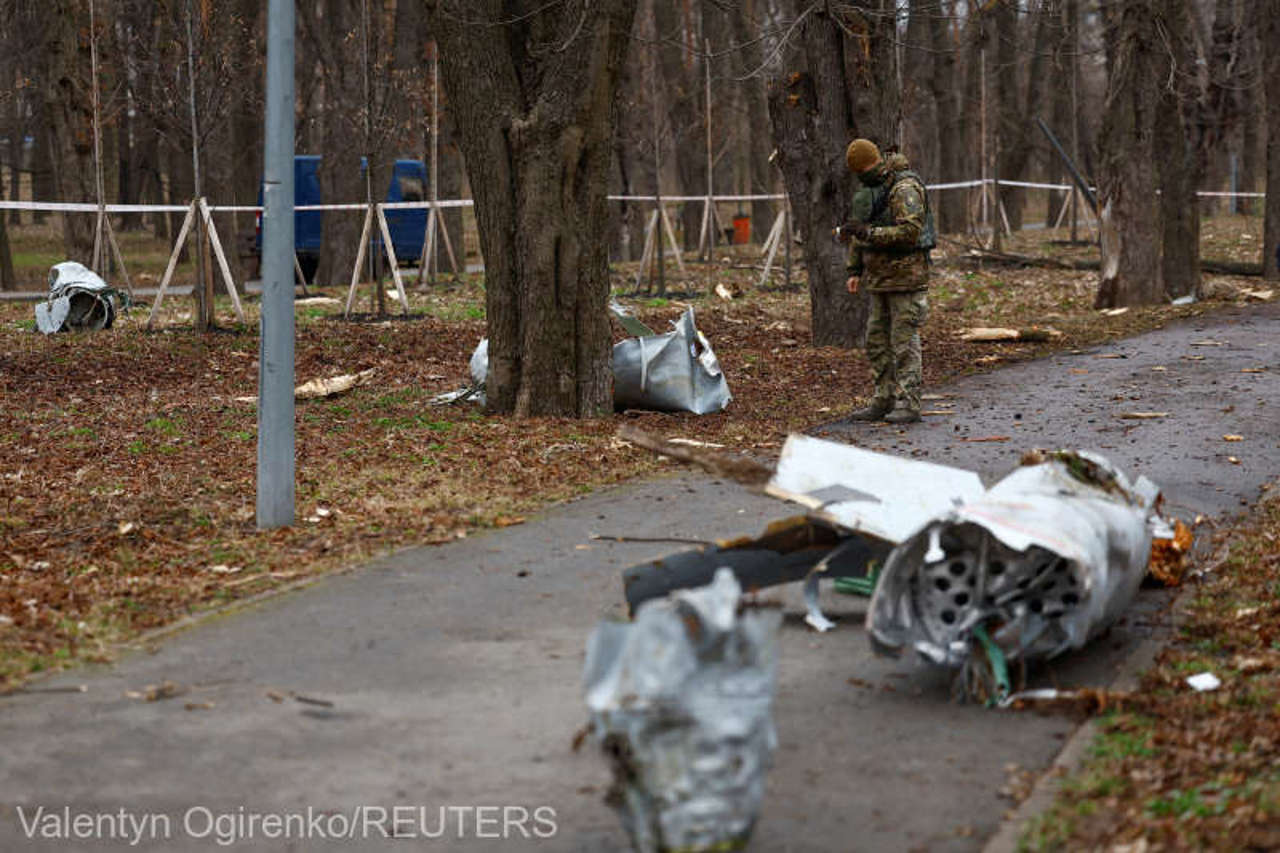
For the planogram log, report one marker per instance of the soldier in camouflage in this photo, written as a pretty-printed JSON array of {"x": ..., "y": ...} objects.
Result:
[{"x": 890, "y": 237}]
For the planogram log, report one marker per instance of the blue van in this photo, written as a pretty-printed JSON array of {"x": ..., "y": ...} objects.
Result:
[{"x": 407, "y": 227}]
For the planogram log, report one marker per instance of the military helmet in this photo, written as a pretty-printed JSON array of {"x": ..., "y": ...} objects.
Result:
[{"x": 861, "y": 155}]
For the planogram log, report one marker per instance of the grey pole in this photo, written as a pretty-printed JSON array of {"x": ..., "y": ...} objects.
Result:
[{"x": 275, "y": 350}]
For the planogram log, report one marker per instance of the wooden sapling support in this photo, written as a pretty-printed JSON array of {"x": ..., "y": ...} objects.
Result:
[
  {"x": 201, "y": 206},
  {"x": 360, "y": 256}
]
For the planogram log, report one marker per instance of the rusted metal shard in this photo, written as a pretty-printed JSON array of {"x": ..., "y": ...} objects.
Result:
[{"x": 680, "y": 702}]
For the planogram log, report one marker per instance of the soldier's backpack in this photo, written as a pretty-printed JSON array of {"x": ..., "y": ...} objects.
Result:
[{"x": 880, "y": 203}]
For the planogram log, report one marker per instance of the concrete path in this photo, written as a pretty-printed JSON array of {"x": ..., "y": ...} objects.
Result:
[{"x": 445, "y": 681}]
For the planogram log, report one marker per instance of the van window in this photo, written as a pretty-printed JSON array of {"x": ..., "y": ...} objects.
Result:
[{"x": 410, "y": 188}]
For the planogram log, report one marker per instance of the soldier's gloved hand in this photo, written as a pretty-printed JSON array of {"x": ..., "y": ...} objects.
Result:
[{"x": 859, "y": 230}]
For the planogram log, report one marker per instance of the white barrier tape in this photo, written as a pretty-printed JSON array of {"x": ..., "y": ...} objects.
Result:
[
  {"x": 75, "y": 207},
  {"x": 79, "y": 207},
  {"x": 426, "y": 205},
  {"x": 1033, "y": 186},
  {"x": 675, "y": 199},
  {"x": 1230, "y": 195},
  {"x": 957, "y": 185}
]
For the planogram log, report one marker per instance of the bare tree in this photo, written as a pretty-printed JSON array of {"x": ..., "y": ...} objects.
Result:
[
  {"x": 837, "y": 60},
  {"x": 533, "y": 90}
]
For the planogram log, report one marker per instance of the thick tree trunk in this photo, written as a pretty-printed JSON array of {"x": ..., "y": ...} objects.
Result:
[
  {"x": 536, "y": 110},
  {"x": 1126, "y": 186},
  {"x": 811, "y": 107},
  {"x": 1270, "y": 35}
]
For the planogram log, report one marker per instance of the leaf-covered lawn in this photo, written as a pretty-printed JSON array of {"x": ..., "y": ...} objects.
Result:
[{"x": 1177, "y": 769}]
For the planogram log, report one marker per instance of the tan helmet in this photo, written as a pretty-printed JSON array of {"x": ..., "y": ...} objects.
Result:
[{"x": 861, "y": 155}]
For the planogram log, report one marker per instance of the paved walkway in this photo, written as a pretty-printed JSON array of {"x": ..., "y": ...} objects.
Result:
[{"x": 449, "y": 676}]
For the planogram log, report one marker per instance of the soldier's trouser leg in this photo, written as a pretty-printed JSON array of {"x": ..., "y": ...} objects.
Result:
[
  {"x": 907, "y": 313},
  {"x": 879, "y": 349}
]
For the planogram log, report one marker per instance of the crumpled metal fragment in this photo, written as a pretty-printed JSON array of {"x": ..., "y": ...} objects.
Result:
[
  {"x": 1045, "y": 560},
  {"x": 78, "y": 300},
  {"x": 680, "y": 701},
  {"x": 675, "y": 372}
]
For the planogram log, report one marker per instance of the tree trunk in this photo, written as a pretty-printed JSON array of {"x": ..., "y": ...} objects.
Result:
[
  {"x": 761, "y": 178},
  {"x": 68, "y": 99},
  {"x": 17, "y": 148},
  {"x": 1178, "y": 119},
  {"x": 1253, "y": 107},
  {"x": 8, "y": 281},
  {"x": 1270, "y": 35},
  {"x": 348, "y": 135},
  {"x": 1126, "y": 186},
  {"x": 951, "y": 210},
  {"x": 1017, "y": 133},
  {"x": 246, "y": 132},
  {"x": 811, "y": 107},
  {"x": 536, "y": 110}
]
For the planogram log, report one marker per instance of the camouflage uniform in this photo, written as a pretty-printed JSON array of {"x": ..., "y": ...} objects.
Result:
[{"x": 896, "y": 274}]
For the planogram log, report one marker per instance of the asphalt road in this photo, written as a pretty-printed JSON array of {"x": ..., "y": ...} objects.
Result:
[{"x": 448, "y": 677}]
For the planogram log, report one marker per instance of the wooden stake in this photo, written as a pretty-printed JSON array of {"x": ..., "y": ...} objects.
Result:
[
  {"x": 391, "y": 259},
  {"x": 647, "y": 255},
  {"x": 771, "y": 245},
  {"x": 355, "y": 270},
  {"x": 223, "y": 266},
  {"x": 671, "y": 236},
  {"x": 173, "y": 261},
  {"x": 115, "y": 249}
]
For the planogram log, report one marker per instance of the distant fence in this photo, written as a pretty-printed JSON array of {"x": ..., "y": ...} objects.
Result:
[{"x": 430, "y": 254}]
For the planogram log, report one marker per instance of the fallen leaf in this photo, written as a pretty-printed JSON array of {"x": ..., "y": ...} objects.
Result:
[
  {"x": 986, "y": 438},
  {"x": 1233, "y": 460},
  {"x": 1208, "y": 342},
  {"x": 1169, "y": 556},
  {"x": 1233, "y": 438},
  {"x": 1115, "y": 312},
  {"x": 1143, "y": 416}
]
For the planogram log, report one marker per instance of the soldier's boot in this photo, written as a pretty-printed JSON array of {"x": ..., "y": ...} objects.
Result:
[
  {"x": 903, "y": 414},
  {"x": 876, "y": 411}
]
